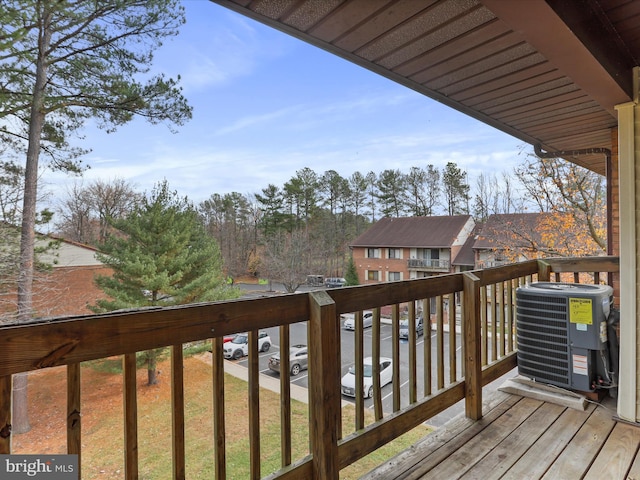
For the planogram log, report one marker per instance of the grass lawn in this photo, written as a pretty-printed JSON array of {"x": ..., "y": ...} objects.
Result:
[{"x": 102, "y": 424}]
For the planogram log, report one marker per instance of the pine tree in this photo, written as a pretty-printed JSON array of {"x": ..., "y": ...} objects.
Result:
[
  {"x": 456, "y": 189},
  {"x": 161, "y": 255},
  {"x": 62, "y": 64},
  {"x": 351, "y": 274}
]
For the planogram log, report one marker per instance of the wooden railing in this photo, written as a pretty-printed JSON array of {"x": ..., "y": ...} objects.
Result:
[{"x": 470, "y": 315}]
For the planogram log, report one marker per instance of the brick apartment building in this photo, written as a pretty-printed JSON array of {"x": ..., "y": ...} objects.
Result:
[
  {"x": 68, "y": 287},
  {"x": 411, "y": 247}
]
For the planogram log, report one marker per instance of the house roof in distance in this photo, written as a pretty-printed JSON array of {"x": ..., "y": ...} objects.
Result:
[
  {"x": 415, "y": 232},
  {"x": 514, "y": 229},
  {"x": 467, "y": 256}
]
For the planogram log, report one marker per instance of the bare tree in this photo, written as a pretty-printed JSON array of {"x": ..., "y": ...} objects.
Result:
[
  {"x": 74, "y": 215},
  {"x": 85, "y": 212},
  {"x": 289, "y": 257},
  {"x": 111, "y": 200}
]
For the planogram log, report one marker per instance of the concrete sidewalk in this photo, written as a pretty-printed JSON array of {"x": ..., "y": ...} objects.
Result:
[
  {"x": 270, "y": 383},
  {"x": 267, "y": 382}
]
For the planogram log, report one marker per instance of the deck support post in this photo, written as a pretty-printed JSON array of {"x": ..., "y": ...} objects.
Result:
[
  {"x": 544, "y": 271},
  {"x": 324, "y": 374},
  {"x": 472, "y": 347}
]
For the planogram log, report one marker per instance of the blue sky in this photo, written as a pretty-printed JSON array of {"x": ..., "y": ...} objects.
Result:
[{"x": 266, "y": 105}]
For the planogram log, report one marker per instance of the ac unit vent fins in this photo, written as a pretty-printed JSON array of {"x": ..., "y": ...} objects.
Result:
[{"x": 542, "y": 338}]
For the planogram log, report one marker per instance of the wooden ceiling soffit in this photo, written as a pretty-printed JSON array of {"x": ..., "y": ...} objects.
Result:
[{"x": 587, "y": 60}]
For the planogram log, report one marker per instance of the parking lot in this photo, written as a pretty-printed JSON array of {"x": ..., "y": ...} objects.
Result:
[{"x": 298, "y": 335}]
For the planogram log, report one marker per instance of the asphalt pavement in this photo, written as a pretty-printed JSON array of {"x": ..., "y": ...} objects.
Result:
[{"x": 299, "y": 383}]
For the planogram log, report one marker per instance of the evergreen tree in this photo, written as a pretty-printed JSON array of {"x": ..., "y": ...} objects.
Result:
[
  {"x": 392, "y": 193},
  {"x": 351, "y": 274},
  {"x": 62, "y": 64},
  {"x": 272, "y": 205},
  {"x": 161, "y": 255},
  {"x": 456, "y": 189}
]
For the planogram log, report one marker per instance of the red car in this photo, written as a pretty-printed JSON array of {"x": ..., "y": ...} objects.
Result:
[{"x": 228, "y": 338}]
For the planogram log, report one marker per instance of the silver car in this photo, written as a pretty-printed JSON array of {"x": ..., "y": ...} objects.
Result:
[
  {"x": 367, "y": 321},
  {"x": 404, "y": 327},
  {"x": 297, "y": 360}
]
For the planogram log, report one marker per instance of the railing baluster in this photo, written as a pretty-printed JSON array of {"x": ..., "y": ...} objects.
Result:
[
  {"x": 452, "y": 338},
  {"x": 426, "y": 308},
  {"x": 510, "y": 315},
  {"x": 411, "y": 322},
  {"x": 440, "y": 342},
  {"x": 6, "y": 393},
  {"x": 74, "y": 430},
  {"x": 130, "y": 417},
  {"x": 359, "y": 354},
  {"x": 462, "y": 342},
  {"x": 219, "y": 433},
  {"x": 375, "y": 354},
  {"x": 254, "y": 406},
  {"x": 485, "y": 324},
  {"x": 325, "y": 396},
  {"x": 285, "y": 396},
  {"x": 395, "y": 353},
  {"x": 494, "y": 322},
  {"x": 502, "y": 314},
  {"x": 177, "y": 412}
]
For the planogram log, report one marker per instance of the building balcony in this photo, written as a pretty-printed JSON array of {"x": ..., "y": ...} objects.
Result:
[
  {"x": 431, "y": 265},
  {"x": 428, "y": 378}
]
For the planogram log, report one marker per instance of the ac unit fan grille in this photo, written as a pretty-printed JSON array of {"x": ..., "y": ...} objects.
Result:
[{"x": 543, "y": 350}]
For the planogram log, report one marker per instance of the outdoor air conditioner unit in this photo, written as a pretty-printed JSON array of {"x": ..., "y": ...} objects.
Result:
[{"x": 562, "y": 334}]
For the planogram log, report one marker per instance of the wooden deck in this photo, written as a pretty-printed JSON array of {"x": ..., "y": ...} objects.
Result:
[{"x": 522, "y": 438}]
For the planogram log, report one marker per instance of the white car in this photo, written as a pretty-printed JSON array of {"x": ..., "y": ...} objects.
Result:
[
  {"x": 349, "y": 380},
  {"x": 367, "y": 320},
  {"x": 239, "y": 346}
]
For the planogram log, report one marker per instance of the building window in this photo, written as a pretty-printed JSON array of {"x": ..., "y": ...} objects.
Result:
[
  {"x": 394, "y": 253},
  {"x": 395, "y": 276},
  {"x": 373, "y": 275},
  {"x": 373, "y": 253}
]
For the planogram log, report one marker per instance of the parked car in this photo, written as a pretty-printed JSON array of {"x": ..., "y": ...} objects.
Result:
[
  {"x": 404, "y": 327},
  {"x": 239, "y": 346},
  {"x": 228, "y": 338},
  {"x": 348, "y": 381},
  {"x": 297, "y": 360},
  {"x": 350, "y": 321},
  {"x": 334, "y": 282}
]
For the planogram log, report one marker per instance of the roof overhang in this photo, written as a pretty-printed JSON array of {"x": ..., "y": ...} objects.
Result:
[{"x": 546, "y": 72}]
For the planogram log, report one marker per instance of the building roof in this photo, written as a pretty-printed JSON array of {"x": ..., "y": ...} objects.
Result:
[
  {"x": 414, "y": 232},
  {"x": 548, "y": 72},
  {"x": 68, "y": 253},
  {"x": 513, "y": 230},
  {"x": 466, "y": 256}
]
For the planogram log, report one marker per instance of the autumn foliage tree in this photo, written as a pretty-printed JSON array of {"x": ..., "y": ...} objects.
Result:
[{"x": 575, "y": 199}]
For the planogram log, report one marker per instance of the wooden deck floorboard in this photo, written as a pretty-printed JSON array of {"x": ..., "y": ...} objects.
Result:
[{"x": 521, "y": 438}]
